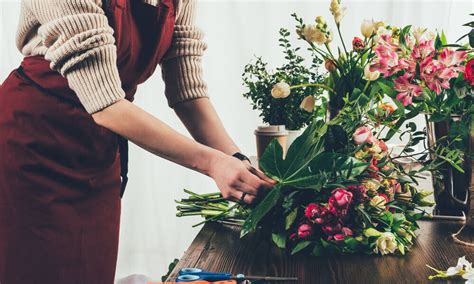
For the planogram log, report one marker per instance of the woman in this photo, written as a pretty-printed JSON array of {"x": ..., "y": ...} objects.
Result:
[{"x": 62, "y": 113}]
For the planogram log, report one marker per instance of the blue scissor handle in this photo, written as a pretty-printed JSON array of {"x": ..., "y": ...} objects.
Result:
[{"x": 194, "y": 274}]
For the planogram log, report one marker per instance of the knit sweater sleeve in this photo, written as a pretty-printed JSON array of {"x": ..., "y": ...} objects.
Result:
[
  {"x": 181, "y": 66},
  {"x": 80, "y": 45}
]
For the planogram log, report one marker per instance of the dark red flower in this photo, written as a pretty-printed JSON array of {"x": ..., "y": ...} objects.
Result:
[
  {"x": 358, "y": 44},
  {"x": 359, "y": 192},
  {"x": 469, "y": 72}
]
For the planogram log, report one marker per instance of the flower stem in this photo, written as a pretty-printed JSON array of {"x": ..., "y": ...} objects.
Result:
[{"x": 340, "y": 36}]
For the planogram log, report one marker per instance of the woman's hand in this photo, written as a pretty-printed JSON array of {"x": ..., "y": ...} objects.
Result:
[{"x": 234, "y": 178}]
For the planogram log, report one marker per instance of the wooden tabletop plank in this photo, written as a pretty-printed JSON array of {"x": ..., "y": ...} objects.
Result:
[{"x": 219, "y": 248}]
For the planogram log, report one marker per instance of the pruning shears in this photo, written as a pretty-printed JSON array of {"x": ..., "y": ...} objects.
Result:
[{"x": 197, "y": 274}]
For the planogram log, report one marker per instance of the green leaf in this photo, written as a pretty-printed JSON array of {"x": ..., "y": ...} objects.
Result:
[
  {"x": 290, "y": 218},
  {"x": 300, "y": 246},
  {"x": 261, "y": 210},
  {"x": 318, "y": 250},
  {"x": 352, "y": 244},
  {"x": 272, "y": 159},
  {"x": 279, "y": 240}
]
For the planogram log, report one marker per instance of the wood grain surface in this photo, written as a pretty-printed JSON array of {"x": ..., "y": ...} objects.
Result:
[{"x": 218, "y": 248}]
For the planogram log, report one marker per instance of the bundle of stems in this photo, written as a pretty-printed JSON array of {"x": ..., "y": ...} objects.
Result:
[{"x": 212, "y": 207}]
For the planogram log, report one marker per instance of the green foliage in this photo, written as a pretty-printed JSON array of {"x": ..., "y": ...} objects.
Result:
[{"x": 286, "y": 111}]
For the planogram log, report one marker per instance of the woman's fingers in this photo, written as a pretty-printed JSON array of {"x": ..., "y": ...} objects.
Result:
[
  {"x": 247, "y": 198},
  {"x": 261, "y": 175}
]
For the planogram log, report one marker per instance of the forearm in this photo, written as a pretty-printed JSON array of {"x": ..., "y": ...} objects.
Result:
[
  {"x": 150, "y": 133},
  {"x": 202, "y": 121}
]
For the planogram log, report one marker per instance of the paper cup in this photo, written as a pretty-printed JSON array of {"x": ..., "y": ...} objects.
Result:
[{"x": 266, "y": 134}]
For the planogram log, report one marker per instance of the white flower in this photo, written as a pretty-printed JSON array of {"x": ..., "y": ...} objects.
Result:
[
  {"x": 386, "y": 244},
  {"x": 370, "y": 75},
  {"x": 378, "y": 202},
  {"x": 337, "y": 11},
  {"x": 418, "y": 33},
  {"x": 313, "y": 34},
  {"x": 308, "y": 103},
  {"x": 469, "y": 276},
  {"x": 463, "y": 267},
  {"x": 281, "y": 90},
  {"x": 367, "y": 28}
]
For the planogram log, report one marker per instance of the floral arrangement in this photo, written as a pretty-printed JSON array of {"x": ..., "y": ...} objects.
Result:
[{"x": 339, "y": 188}]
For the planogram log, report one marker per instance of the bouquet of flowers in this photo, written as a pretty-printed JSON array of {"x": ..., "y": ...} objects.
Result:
[{"x": 337, "y": 191}]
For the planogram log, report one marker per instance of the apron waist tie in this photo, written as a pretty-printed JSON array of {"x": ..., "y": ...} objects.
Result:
[{"x": 123, "y": 150}]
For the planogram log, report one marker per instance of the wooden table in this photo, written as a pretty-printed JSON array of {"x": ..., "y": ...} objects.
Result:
[{"x": 219, "y": 248}]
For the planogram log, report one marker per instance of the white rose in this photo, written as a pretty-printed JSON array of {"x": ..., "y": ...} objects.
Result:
[
  {"x": 367, "y": 28},
  {"x": 313, "y": 34},
  {"x": 370, "y": 75},
  {"x": 386, "y": 244},
  {"x": 308, "y": 103},
  {"x": 281, "y": 90},
  {"x": 378, "y": 202}
]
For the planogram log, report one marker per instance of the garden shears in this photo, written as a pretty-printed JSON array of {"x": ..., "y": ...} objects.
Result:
[{"x": 197, "y": 274}]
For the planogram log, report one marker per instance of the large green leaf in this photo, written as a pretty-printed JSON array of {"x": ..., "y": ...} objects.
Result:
[
  {"x": 256, "y": 215},
  {"x": 299, "y": 155}
]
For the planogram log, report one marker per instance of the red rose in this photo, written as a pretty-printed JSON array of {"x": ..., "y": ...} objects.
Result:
[
  {"x": 311, "y": 211},
  {"x": 304, "y": 231},
  {"x": 358, "y": 44},
  {"x": 469, "y": 72}
]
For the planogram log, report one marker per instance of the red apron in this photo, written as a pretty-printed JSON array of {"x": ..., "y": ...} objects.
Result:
[{"x": 60, "y": 179}]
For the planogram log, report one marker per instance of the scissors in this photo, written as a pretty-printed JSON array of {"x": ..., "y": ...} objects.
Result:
[{"x": 197, "y": 274}]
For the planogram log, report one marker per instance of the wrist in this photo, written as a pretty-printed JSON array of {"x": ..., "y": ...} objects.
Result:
[{"x": 207, "y": 159}]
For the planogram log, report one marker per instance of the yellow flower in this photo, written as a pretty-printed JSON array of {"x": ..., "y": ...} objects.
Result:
[{"x": 360, "y": 155}]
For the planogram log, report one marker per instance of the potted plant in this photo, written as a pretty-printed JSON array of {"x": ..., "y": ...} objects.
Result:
[{"x": 281, "y": 108}]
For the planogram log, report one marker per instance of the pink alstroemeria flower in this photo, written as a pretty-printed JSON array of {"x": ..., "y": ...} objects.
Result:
[
  {"x": 423, "y": 50},
  {"x": 387, "y": 60},
  {"x": 406, "y": 90}
]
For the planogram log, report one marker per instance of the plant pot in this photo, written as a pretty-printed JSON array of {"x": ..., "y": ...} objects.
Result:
[
  {"x": 266, "y": 134},
  {"x": 451, "y": 187},
  {"x": 292, "y": 135}
]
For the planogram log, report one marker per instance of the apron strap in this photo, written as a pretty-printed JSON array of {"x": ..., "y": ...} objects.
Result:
[{"x": 123, "y": 150}]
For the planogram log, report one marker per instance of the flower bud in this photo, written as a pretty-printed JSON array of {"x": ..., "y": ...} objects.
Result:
[
  {"x": 371, "y": 232},
  {"x": 330, "y": 65},
  {"x": 367, "y": 28},
  {"x": 358, "y": 45}
]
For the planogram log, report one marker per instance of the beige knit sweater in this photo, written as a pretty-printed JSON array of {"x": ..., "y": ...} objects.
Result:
[{"x": 74, "y": 35}]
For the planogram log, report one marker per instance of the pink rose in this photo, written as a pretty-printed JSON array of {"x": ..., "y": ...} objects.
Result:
[
  {"x": 332, "y": 229},
  {"x": 347, "y": 232},
  {"x": 363, "y": 135},
  {"x": 304, "y": 231},
  {"x": 311, "y": 211},
  {"x": 340, "y": 198}
]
